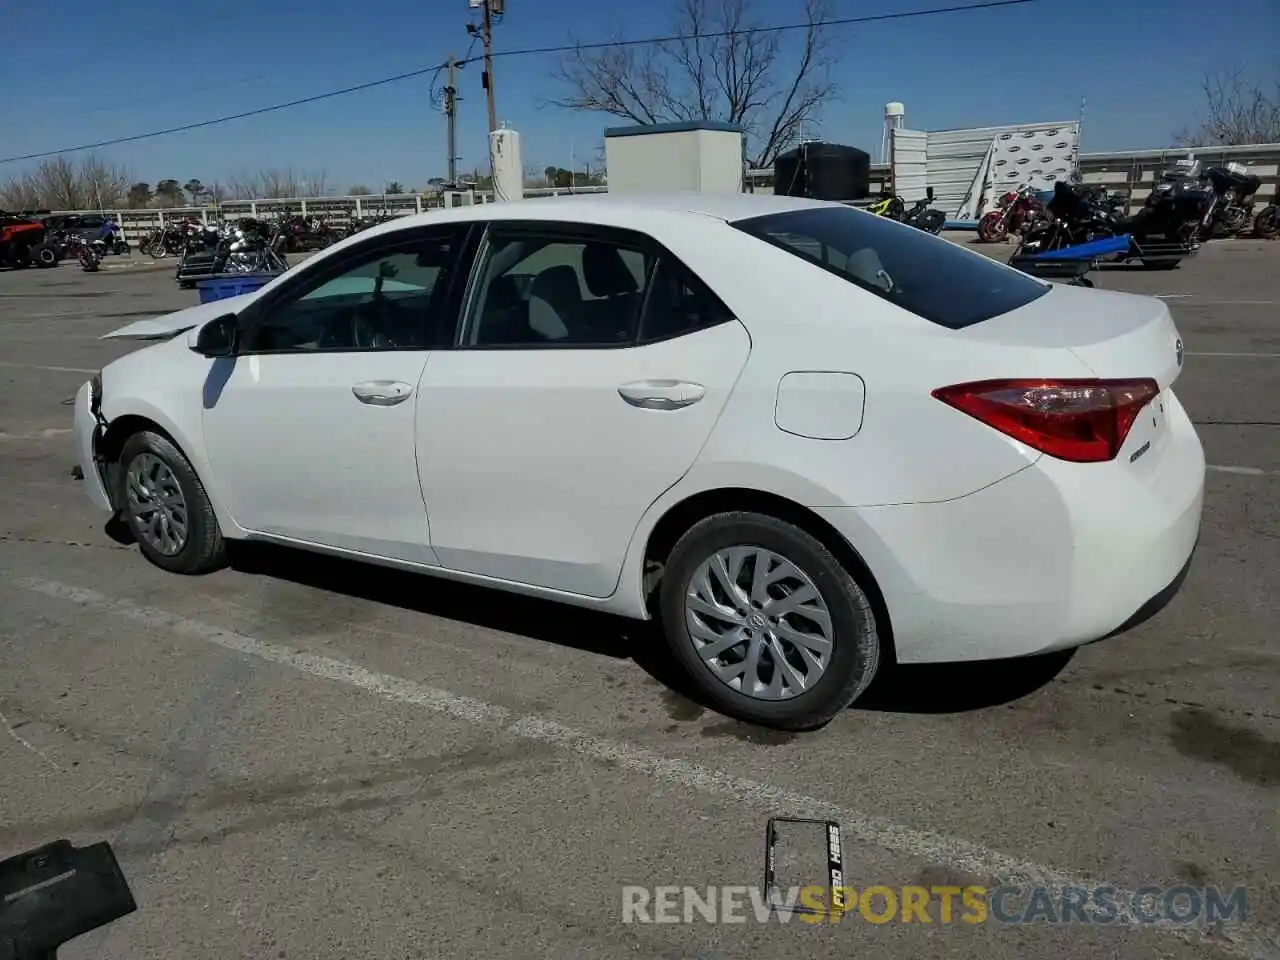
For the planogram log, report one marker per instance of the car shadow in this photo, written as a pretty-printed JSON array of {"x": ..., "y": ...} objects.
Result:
[
  {"x": 540, "y": 620},
  {"x": 939, "y": 688},
  {"x": 914, "y": 689}
]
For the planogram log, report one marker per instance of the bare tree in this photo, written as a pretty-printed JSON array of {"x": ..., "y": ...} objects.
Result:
[
  {"x": 315, "y": 184},
  {"x": 59, "y": 183},
  {"x": 744, "y": 75},
  {"x": 358, "y": 190},
  {"x": 103, "y": 185},
  {"x": 20, "y": 193},
  {"x": 1236, "y": 111}
]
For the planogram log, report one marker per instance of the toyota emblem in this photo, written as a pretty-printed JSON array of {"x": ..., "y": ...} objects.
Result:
[{"x": 1177, "y": 349}]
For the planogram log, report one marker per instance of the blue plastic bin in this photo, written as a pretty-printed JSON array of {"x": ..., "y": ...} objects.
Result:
[{"x": 224, "y": 287}]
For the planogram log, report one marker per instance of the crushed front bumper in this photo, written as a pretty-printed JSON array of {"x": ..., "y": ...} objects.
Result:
[{"x": 88, "y": 431}]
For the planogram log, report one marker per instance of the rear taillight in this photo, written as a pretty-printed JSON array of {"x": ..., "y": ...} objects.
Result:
[{"x": 1084, "y": 421}]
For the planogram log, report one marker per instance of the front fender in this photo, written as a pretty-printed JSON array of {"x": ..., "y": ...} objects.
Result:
[{"x": 175, "y": 411}]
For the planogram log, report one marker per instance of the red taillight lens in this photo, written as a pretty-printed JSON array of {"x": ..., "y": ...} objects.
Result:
[{"x": 1084, "y": 421}]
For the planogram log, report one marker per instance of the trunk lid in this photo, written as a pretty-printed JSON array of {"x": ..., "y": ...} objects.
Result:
[{"x": 1116, "y": 335}]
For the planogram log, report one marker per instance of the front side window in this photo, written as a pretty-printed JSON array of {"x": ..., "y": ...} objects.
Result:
[
  {"x": 558, "y": 291},
  {"x": 926, "y": 275},
  {"x": 393, "y": 298}
]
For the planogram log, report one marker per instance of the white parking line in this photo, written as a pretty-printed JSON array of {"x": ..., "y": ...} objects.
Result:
[
  {"x": 962, "y": 855},
  {"x": 1215, "y": 303},
  {"x": 1243, "y": 471},
  {"x": 1255, "y": 356},
  {"x": 36, "y": 366},
  {"x": 45, "y": 434}
]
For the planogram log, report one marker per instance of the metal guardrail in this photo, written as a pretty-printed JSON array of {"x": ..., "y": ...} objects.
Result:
[
  {"x": 1129, "y": 172},
  {"x": 1133, "y": 172}
]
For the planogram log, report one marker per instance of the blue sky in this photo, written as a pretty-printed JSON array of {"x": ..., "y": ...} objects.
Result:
[{"x": 89, "y": 71}]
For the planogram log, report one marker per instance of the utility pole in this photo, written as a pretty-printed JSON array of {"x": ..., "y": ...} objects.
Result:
[
  {"x": 488, "y": 58},
  {"x": 451, "y": 114}
]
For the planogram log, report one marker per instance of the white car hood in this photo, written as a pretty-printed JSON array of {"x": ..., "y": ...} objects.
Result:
[{"x": 170, "y": 325}]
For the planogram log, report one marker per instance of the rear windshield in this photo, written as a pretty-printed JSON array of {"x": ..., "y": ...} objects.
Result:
[{"x": 931, "y": 277}]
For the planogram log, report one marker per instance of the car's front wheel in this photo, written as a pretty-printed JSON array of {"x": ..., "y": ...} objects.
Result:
[
  {"x": 166, "y": 507},
  {"x": 766, "y": 621}
]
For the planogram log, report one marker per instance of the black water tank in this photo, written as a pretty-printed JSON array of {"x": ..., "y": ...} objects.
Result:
[{"x": 823, "y": 171}]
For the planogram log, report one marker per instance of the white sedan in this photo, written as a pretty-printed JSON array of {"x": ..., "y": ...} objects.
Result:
[{"x": 807, "y": 439}]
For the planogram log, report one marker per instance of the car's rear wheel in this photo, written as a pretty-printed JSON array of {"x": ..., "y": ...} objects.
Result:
[
  {"x": 766, "y": 621},
  {"x": 166, "y": 507}
]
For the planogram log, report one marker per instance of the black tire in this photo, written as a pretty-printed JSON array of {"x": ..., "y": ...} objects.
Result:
[
  {"x": 45, "y": 255},
  {"x": 1267, "y": 223},
  {"x": 855, "y": 655},
  {"x": 204, "y": 550}
]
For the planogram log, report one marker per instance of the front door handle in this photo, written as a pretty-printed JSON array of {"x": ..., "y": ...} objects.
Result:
[
  {"x": 662, "y": 394},
  {"x": 382, "y": 393}
]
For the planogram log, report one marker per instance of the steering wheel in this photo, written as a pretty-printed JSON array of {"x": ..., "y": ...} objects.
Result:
[{"x": 364, "y": 326}]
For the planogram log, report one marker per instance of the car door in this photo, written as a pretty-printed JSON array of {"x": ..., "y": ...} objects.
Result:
[
  {"x": 590, "y": 369},
  {"x": 310, "y": 426}
]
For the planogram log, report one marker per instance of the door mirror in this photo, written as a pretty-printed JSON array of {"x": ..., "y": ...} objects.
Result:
[
  {"x": 928, "y": 194},
  {"x": 218, "y": 338}
]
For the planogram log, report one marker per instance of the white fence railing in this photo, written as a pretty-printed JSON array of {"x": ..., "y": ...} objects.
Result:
[
  {"x": 1123, "y": 172},
  {"x": 336, "y": 210}
]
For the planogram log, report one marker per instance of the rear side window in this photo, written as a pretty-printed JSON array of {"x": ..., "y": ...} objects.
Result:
[{"x": 924, "y": 274}]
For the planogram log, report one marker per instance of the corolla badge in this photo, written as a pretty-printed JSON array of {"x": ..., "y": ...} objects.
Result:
[{"x": 1177, "y": 349}]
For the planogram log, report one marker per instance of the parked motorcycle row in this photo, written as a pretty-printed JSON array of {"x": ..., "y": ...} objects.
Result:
[
  {"x": 297, "y": 234},
  {"x": 1187, "y": 206}
]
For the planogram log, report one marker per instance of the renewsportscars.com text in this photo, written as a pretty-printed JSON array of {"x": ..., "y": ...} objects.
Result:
[{"x": 1183, "y": 905}]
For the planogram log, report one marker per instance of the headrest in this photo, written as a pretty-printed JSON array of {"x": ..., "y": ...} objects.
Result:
[
  {"x": 557, "y": 285},
  {"x": 605, "y": 272}
]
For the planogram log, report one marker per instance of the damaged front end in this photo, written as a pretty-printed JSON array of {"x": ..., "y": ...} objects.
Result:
[{"x": 90, "y": 431}]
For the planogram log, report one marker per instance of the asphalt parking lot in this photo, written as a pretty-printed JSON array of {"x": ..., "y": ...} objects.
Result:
[{"x": 304, "y": 758}]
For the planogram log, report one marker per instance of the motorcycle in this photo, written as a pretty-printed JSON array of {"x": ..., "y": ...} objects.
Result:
[
  {"x": 1014, "y": 211},
  {"x": 247, "y": 247},
  {"x": 170, "y": 240},
  {"x": 889, "y": 205},
  {"x": 112, "y": 241},
  {"x": 1234, "y": 208},
  {"x": 1266, "y": 225},
  {"x": 1160, "y": 235},
  {"x": 87, "y": 253},
  {"x": 922, "y": 216},
  {"x": 1180, "y": 206}
]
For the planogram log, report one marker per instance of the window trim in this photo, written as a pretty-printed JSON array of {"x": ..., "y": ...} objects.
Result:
[
  {"x": 333, "y": 267},
  {"x": 573, "y": 232},
  {"x": 663, "y": 257}
]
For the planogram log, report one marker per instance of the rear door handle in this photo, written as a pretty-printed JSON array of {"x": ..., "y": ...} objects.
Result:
[
  {"x": 382, "y": 393},
  {"x": 662, "y": 394}
]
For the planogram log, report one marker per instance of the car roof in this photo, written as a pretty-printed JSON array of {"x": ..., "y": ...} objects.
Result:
[{"x": 613, "y": 209}]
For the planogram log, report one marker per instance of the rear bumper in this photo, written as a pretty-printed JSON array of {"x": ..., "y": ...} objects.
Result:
[
  {"x": 1055, "y": 556},
  {"x": 86, "y": 432}
]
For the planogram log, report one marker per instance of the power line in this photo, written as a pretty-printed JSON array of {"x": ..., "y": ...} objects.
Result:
[
  {"x": 749, "y": 31},
  {"x": 235, "y": 116},
  {"x": 525, "y": 52}
]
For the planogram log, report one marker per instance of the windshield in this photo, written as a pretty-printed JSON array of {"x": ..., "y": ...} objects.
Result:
[{"x": 931, "y": 277}]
